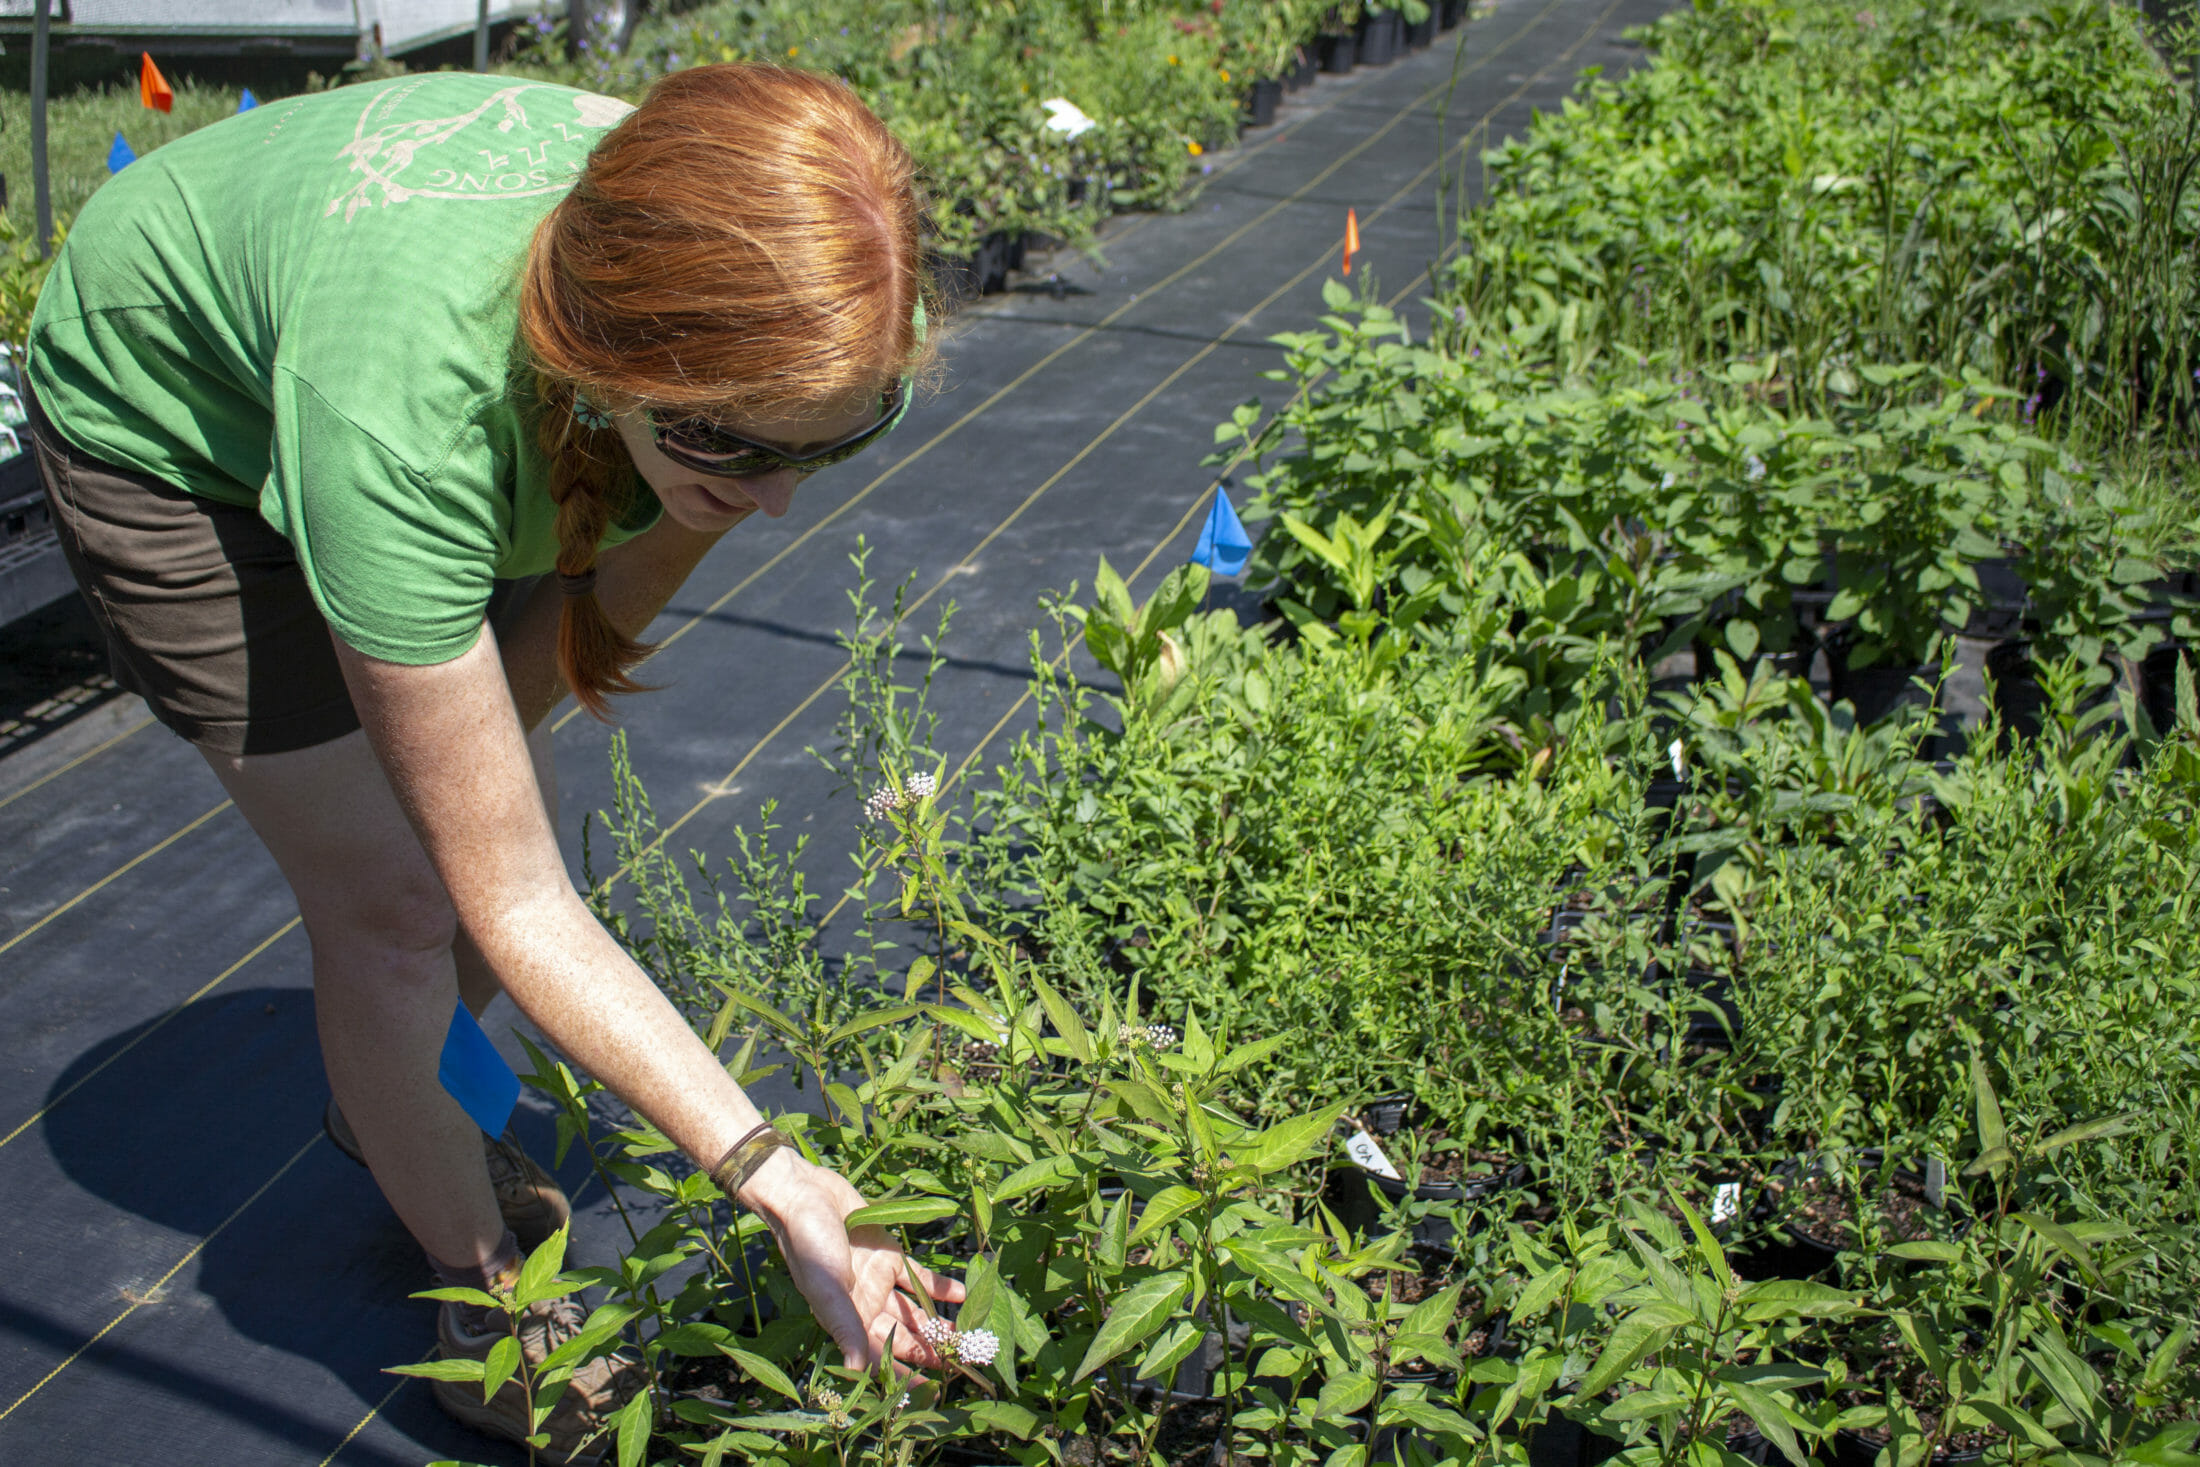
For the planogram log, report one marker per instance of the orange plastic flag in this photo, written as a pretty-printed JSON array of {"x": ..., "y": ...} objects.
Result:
[
  {"x": 1351, "y": 237},
  {"x": 153, "y": 88}
]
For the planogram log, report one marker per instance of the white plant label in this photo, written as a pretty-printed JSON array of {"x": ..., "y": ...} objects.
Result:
[
  {"x": 1726, "y": 1202},
  {"x": 1936, "y": 1181},
  {"x": 1368, "y": 1153}
]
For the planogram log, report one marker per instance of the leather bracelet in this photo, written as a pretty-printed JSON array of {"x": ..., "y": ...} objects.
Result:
[{"x": 745, "y": 1157}]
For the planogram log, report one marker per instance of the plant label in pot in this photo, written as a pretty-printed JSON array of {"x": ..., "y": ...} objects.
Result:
[{"x": 1368, "y": 1152}]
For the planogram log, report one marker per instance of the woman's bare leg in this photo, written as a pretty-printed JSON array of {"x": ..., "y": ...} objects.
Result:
[{"x": 384, "y": 981}]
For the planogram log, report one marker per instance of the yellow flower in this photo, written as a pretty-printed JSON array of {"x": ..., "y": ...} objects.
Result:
[
  {"x": 794, "y": 50},
  {"x": 1172, "y": 61},
  {"x": 1226, "y": 76},
  {"x": 1196, "y": 149}
]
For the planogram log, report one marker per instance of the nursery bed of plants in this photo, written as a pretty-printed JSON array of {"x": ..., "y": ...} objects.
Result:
[
  {"x": 170, "y": 1191},
  {"x": 1576, "y": 979}
]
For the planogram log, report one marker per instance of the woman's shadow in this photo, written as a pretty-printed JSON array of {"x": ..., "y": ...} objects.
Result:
[{"x": 208, "y": 1125}]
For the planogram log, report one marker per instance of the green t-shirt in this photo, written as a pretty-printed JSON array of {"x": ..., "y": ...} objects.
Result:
[{"x": 312, "y": 308}]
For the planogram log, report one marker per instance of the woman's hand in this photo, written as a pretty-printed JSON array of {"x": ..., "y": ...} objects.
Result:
[{"x": 856, "y": 1279}]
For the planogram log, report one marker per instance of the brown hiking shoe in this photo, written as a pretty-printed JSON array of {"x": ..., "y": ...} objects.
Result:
[
  {"x": 578, "y": 1424},
  {"x": 533, "y": 1205}
]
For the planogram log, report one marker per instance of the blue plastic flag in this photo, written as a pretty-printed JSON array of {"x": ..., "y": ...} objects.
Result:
[
  {"x": 476, "y": 1075},
  {"x": 120, "y": 156},
  {"x": 247, "y": 102},
  {"x": 1223, "y": 543}
]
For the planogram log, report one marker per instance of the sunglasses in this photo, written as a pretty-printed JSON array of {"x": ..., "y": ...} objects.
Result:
[{"x": 708, "y": 448}]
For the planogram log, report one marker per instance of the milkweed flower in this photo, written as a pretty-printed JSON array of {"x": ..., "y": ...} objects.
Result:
[
  {"x": 1145, "y": 1036},
  {"x": 965, "y": 1346},
  {"x": 887, "y": 799}
]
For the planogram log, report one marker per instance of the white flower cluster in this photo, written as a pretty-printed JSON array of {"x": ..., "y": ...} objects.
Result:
[
  {"x": 885, "y": 800},
  {"x": 1145, "y": 1036},
  {"x": 1756, "y": 468},
  {"x": 969, "y": 1346}
]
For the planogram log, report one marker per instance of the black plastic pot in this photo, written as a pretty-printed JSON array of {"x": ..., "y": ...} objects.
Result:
[
  {"x": 1378, "y": 38},
  {"x": 1304, "y": 67},
  {"x": 1350, "y": 1191},
  {"x": 1788, "y": 1252},
  {"x": 1416, "y": 34},
  {"x": 1699, "y": 1028},
  {"x": 1261, "y": 100},
  {"x": 1851, "y": 1448},
  {"x": 2013, "y": 687},
  {"x": 1877, "y": 691},
  {"x": 1565, "y": 1442},
  {"x": 2007, "y": 598},
  {"x": 1339, "y": 53},
  {"x": 1450, "y": 13},
  {"x": 2158, "y": 684}
]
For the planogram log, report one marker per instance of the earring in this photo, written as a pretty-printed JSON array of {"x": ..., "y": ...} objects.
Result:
[{"x": 588, "y": 415}]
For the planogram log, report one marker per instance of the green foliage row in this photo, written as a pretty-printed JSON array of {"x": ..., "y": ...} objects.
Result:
[{"x": 1312, "y": 860}]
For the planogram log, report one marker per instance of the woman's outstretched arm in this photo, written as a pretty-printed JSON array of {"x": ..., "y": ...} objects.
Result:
[{"x": 450, "y": 740}]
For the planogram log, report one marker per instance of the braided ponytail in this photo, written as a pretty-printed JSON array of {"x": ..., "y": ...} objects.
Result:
[
  {"x": 746, "y": 241},
  {"x": 589, "y": 483}
]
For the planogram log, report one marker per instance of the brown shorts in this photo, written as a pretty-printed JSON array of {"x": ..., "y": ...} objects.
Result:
[{"x": 206, "y": 614}]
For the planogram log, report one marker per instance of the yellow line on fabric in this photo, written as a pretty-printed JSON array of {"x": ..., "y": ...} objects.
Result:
[
  {"x": 379, "y": 1406},
  {"x": 1078, "y": 340},
  {"x": 142, "y": 856},
  {"x": 53, "y": 774},
  {"x": 153, "y": 1028},
  {"x": 149, "y": 1295}
]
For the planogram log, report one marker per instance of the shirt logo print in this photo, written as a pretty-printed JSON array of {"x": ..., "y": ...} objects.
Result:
[{"x": 459, "y": 157}]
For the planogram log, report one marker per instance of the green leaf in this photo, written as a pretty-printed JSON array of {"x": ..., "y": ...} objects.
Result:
[
  {"x": 1992, "y": 1134},
  {"x": 877, "y": 1019},
  {"x": 1341, "y": 1395},
  {"x": 498, "y": 1368},
  {"x": 2116, "y": 1125},
  {"x": 1285, "y": 1142},
  {"x": 1047, "y": 1171},
  {"x": 1165, "y": 1207},
  {"x": 633, "y": 1424},
  {"x": 1771, "y": 1418},
  {"x": 1136, "y": 1313},
  {"x": 538, "y": 1276},
  {"x": 2169, "y": 1447},
  {"x": 904, "y": 1212},
  {"x": 763, "y": 1372},
  {"x": 1641, "y": 1332},
  {"x": 1018, "y": 1421},
  {"x": 1253, "y": 1053},
  {"x": 1066, "y": 1022},
  {"x": 1925, "y": 1251},
  {"x": 460, "y": 1370}
]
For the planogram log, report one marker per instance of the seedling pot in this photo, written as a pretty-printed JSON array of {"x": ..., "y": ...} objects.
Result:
[
  {"x": 1378, "y": 38},
  {"x": 1346, "y": 1189},
  {"x": 1261, "y": 100},
  {"x": 1305, "y": 65},
  {"x": 1876, "y": 692},
  {"x": 1339, "y": 54},
  {"x": 1451, "y": 12},
  {"x": 1420, "y": 33}
]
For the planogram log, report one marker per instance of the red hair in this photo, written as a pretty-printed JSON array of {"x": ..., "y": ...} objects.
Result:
[{"x": 746, "y": 242}]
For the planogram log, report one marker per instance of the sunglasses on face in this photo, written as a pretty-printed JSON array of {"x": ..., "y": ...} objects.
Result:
[{"x": 708, "y": 448}]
